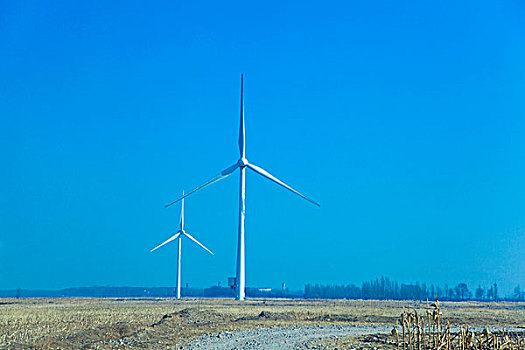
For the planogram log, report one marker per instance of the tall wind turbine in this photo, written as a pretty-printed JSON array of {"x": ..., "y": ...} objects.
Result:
[
  {"x": 178, "y": 236},
  {"x": 242, "y": 164}
]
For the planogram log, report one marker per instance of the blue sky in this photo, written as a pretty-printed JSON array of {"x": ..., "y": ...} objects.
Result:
[{"x": 405, "y": 120}]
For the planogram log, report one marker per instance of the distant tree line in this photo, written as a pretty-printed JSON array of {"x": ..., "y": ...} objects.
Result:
[
  {"x": 227, "y": 292},
  {"x": 90, "y": 292},
  {"x": 145, "y": 292},
  {"x": 383, "y": 288}
]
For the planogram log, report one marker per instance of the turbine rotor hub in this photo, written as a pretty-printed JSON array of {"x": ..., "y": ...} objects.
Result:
[{"x": 243, "y": 162}]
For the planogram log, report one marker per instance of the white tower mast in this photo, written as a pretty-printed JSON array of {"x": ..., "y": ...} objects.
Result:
[
  {"x": 178, "y": 266},
  {"x": 179, "y": 254}
]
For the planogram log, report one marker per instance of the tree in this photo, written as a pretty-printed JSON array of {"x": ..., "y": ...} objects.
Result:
[
  {"x": 518, "y": 295},
  {"x": 307, "y": 291},
  {"x": 490, "y": 293},
  {"x": 480, "y": 292},
  {"x": 462, "y": 292},
  {"x": 439, "y": 293}
]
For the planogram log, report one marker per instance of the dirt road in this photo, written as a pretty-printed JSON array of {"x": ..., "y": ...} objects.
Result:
[{"x": 277, "y": 338}]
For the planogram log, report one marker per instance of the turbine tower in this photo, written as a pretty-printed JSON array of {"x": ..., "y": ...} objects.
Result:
[
  {"x": 242, "y": 164},
  {"x": 178, "y": 236}
]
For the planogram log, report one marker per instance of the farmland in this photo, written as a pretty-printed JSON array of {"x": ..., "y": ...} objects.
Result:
[{"x": 161, "y": 323}]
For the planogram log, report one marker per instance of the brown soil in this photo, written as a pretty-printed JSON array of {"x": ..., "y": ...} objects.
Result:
[{"x": 167, "y": 323}]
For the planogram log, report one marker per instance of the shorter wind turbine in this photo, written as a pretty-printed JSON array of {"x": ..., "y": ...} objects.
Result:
[{"x": 178, "y": 236}]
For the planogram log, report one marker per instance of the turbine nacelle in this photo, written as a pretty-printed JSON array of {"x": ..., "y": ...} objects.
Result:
[{"x": 242, "y": 162}]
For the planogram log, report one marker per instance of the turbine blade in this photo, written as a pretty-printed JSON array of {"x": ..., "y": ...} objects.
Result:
[
  {"x": 175, "y": 236},
  {"x": 199, "y": 243},
  {"x": 269, "y": 176},
  {"x": 216, "y": 178},
  {"x": 242, "y": 147}
]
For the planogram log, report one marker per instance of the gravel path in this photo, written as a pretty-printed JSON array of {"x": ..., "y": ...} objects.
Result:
[{"x": 280, "y": 338}]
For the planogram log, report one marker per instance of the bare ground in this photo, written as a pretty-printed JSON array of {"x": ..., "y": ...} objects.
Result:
[{"x": 168, "y": 324}]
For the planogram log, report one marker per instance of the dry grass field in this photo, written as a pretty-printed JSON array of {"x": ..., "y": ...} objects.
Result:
[{"x": 114, "y": 323}]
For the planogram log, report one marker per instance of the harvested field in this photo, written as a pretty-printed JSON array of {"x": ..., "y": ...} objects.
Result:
[{"x": 168, "y": 323}]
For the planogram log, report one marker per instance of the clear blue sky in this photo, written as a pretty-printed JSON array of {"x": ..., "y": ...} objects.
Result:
[{"x": 405, "y": 120}]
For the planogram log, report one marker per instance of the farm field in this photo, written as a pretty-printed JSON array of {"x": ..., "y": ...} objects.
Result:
[{"x": 115, "y": 323}]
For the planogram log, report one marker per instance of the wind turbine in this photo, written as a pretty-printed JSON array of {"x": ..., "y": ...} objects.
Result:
[
  {"x": 242, "y": 164},
  {"x": 178, "y": 236}
]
